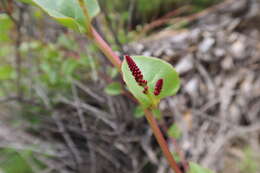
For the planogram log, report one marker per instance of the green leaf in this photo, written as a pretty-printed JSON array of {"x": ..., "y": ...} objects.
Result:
[
  {"x": 66, "y": 42},
  {"x": 138, "y": 112},
  {"x": 69, "y": 66},
  {"x": 114, "y": 88},
  {"x": 5, "y": 27},
  {"x": 68, "y": 12},
  {"x": 174, "y": 131},
  {"x": 152, "y": 70},
  {"x": 6, "y": 72},
  {"x": 196, "y": 168},
  {"x": 51, "y": 75},
  {"x": 26, "y": 1},
  {"x": 13, "y": 162}
]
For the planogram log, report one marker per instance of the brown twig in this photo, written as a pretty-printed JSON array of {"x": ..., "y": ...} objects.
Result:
[
  {"x": 8, "y": 8},
  {"x": 67, "y": 138},
  {"x": 164, "y": 19}
]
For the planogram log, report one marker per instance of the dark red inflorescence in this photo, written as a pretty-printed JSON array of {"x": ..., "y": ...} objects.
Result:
[
  {"x": 158, "y": 87},
  {"x": 136, "y": 72}
]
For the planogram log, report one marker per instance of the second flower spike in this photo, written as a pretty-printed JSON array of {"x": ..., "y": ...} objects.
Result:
[{"x": 158, "y": 87}]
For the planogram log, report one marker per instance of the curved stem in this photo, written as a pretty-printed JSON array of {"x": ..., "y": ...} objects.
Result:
[
  {"x": 103, "y": 46},
  {"x": 160, "y": 139}
]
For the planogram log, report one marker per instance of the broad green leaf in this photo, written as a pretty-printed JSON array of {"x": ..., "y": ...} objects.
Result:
[
  {"x": 196, "y": 168},
  {"x": 114, "y": 88},
  {"x": 152, "y": 70},
  {"x": 68, "y": 12}
]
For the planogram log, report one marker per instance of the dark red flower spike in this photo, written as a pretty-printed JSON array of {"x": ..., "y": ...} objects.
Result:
[
  {"x": 158, "y": 87},
  {"x": 136, "y": 72}
]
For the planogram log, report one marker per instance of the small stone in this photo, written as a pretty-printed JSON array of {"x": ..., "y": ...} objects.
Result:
[
  {"x": 170, "y": 52},
  {"x": 147, "y": 53},
  {"x": 206, "y": 44},
  {"x": 227, "y": 63},
  {"x": 139, "y": 47},
  {"x": 192, "y": 87},
  {"x": 237, "y": 50},
  {"x": 158, "y": 52},
  {"x": 186, "y": 64},
  {"x": 195, "y": 35},
  {"x": 182, "y": 37},
  {"x": 218, "y": 52}
]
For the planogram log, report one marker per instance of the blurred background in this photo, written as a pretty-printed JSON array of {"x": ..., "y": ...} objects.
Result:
[{"x": 63, "y": 107}]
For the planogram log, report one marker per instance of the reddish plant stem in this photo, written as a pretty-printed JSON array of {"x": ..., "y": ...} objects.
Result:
[
  {"x": 177, "y": 147},
  {"x": 103, "y": 46},
  {"x": 115, "y": 60},
  {"x": 160, "y": 139}
]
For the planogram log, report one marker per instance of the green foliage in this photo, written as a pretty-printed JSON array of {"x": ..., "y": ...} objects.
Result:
[
  {"x": 250, "y": 162},
  {"x": 69, "y": 12},
  {"x": 157, "y": 113},
  {"x": 58, "y": 71},
  {"x": 5, "y": 26},
  {"x": 26, "y": 1},
  {"x": 15, "y": 162},
  {"x": 201, "y": 4},
  {"x": 152, "y": 70},
  {"x": 114, "y": 89},
  {"x": 176, "y": 157},
  {"x": 18, "y": 161},
  {"x": 112, "y": 72},
  {"x": 66, "y": 42},
  {"x": 196, "y": 168},
  {"x": 138, "y": 111},
  {"x": 6, "y": 72},
  {"x": 147, "y": 8},
  {"x": 174, "y": 131}
]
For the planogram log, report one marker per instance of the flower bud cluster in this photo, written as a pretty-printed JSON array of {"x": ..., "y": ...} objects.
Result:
[
  {"x": 136, "y": 72},
  {"x": 158, "y": 87},
  {"x": 139, "y": 78}
]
